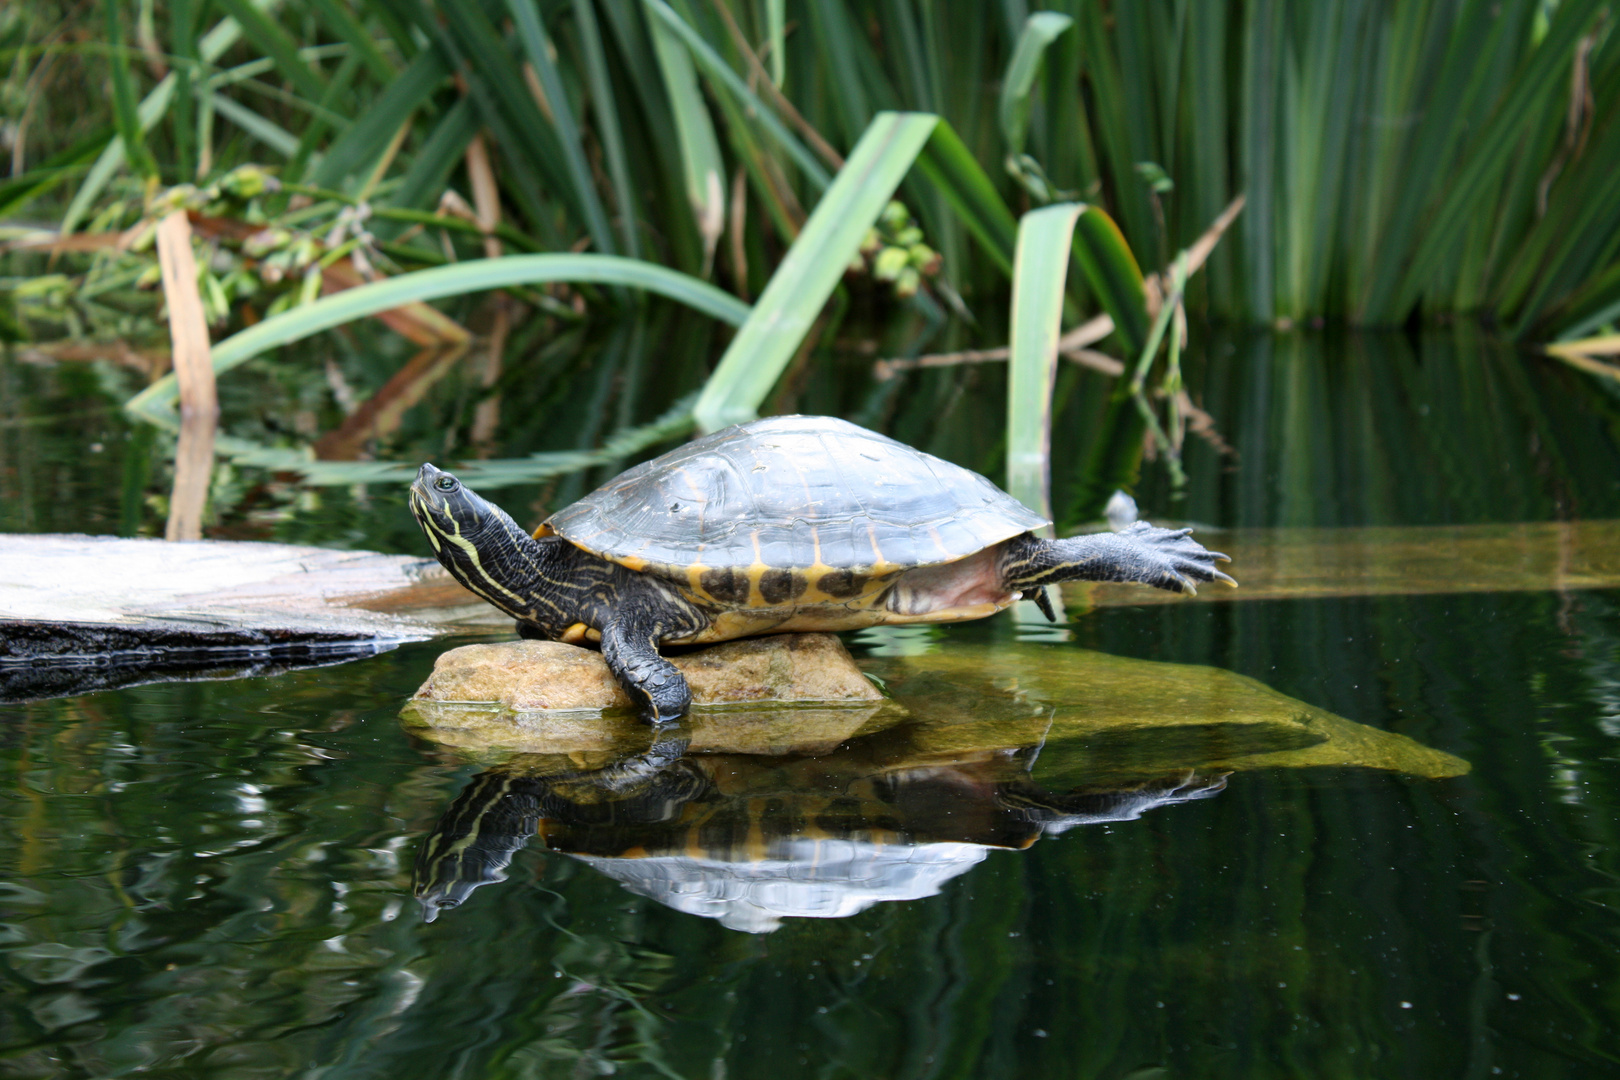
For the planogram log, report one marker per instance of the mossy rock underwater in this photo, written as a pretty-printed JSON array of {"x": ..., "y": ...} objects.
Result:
[{"x": 1114, "y": 717}]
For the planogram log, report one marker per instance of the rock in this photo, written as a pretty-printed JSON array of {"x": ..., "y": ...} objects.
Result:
[
  {"x": 787, "y": 693},
  {"x": 528, "y": 675}
]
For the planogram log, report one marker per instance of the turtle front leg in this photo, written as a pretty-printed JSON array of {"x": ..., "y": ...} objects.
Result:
[
  {"x": 1164, "y": 558},
  {"x": 630, "y": 647}
]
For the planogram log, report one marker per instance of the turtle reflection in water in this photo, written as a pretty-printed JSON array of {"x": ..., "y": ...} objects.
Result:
[
  {"x": 784, "y": 524},
  {"x": 748, "y": 840}
]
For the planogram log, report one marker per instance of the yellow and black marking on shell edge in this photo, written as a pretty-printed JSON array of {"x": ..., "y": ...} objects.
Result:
[
  {"x": 726, "y": 585},
  {"x": 840, "y": 584},
  {"x": 780, "y": 586}
]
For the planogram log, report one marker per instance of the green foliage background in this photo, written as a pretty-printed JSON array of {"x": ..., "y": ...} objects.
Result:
[{"x": 1436, "y": 158}]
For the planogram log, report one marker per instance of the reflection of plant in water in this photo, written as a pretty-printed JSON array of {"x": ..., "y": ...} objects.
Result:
[
  {"x": 142, "y": 942},
  {"x": 1572, "y": 755},
  {"x": 1602, "y": 649}
]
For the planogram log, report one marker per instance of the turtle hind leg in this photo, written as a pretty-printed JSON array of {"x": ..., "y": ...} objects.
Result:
[
  {"x": 1164, "y": 558},
  {"x": 659, "y": 690}
]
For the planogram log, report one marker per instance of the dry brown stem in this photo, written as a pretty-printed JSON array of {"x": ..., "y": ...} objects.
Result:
[{"x": 194, "y": 369}]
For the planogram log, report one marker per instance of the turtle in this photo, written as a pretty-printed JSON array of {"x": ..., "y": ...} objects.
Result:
[{"x": 779, "y": 525}]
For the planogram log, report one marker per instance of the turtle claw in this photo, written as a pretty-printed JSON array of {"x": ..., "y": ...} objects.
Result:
[
  {"x": 1042, "y": 600},
  {"x": 662, "y": 719},
  {"x": 1175, "y": 560}
]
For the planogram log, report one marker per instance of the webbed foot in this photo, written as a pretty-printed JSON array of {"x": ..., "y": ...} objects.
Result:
[
  {"x": 1171, "y": 559},
  {"x": 656, "y": 686},
  {"x": 1164, "y": 558}
]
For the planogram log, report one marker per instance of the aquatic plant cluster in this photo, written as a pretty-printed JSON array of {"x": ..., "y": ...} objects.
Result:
[
  {"x": 788, "y": 168},
  {"x": 1442, "y": 158}
]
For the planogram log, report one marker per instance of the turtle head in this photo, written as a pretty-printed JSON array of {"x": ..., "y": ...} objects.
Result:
[
  {"x": 474, "y": 539},
  {"x": 444, "y": 506}
]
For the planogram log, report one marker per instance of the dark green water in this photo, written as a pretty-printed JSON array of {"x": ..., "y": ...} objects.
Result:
[{"x": 214, "y": 878}]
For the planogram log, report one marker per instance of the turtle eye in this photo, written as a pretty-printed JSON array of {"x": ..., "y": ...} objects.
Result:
[{"x": 447, "y": 484}]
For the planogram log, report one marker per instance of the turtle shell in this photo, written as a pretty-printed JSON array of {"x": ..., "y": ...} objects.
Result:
[{"x": 812, "y": 493}]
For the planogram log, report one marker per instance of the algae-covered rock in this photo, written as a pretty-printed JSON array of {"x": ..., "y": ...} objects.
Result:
[{"x": 1115, "y": 717}]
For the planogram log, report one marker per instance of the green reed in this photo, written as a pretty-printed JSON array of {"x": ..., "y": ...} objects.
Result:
[{"x": 1440, "y": 157}]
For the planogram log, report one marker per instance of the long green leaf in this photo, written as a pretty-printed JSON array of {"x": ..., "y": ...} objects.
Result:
[
  {"x": 504, "y": 105},
  {"x": 656, "y": 167},
  {"x": 812, "y": 267},
  {"x": 476, "y": 276},
  {"x": 437, "y": 158},
  {"x": 123, "y": 80},
  {"x": 1045, "y": 240},
  {"x": 365, "y": 140},
  {"x": 1207, "y": 90},
  {"x": 1592, "y": 323},
  {"x": 947, "y": 163},
  {"x": 1535, "y": 84},
  {"x": 183, "y": 44},
  {"x": 1262, "y": 43},
  {"x": 17, "y": 191},
  {"x": 265, "y": 130},
  {"x": 711, "y": 62},
  {"x": 321, "y": 118},
  {"x": 536, "y": 44},
  {"x": 1039, "y": 268},
  {"x": 839, "y": 46},
  {"x": 1318, "y": 92},
  {"x": 1122, "y": 115},
  {"x": 1039, "y": 31},
  {"x": 496, "y": 81},
  {"x": 605, "y": 105},
  {"x": 337, "y": 19},
  {"x": 700, "y": 150},
  {"x": 1113, "y": 274},
  {"x": 1485, "y": 38},
  {"x": 776, "y": 31},
  {"x": 270, "y": 39}
]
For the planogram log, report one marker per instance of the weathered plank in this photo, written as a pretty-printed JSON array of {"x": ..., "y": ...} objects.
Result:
[{"x": 79, "y": 613}]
